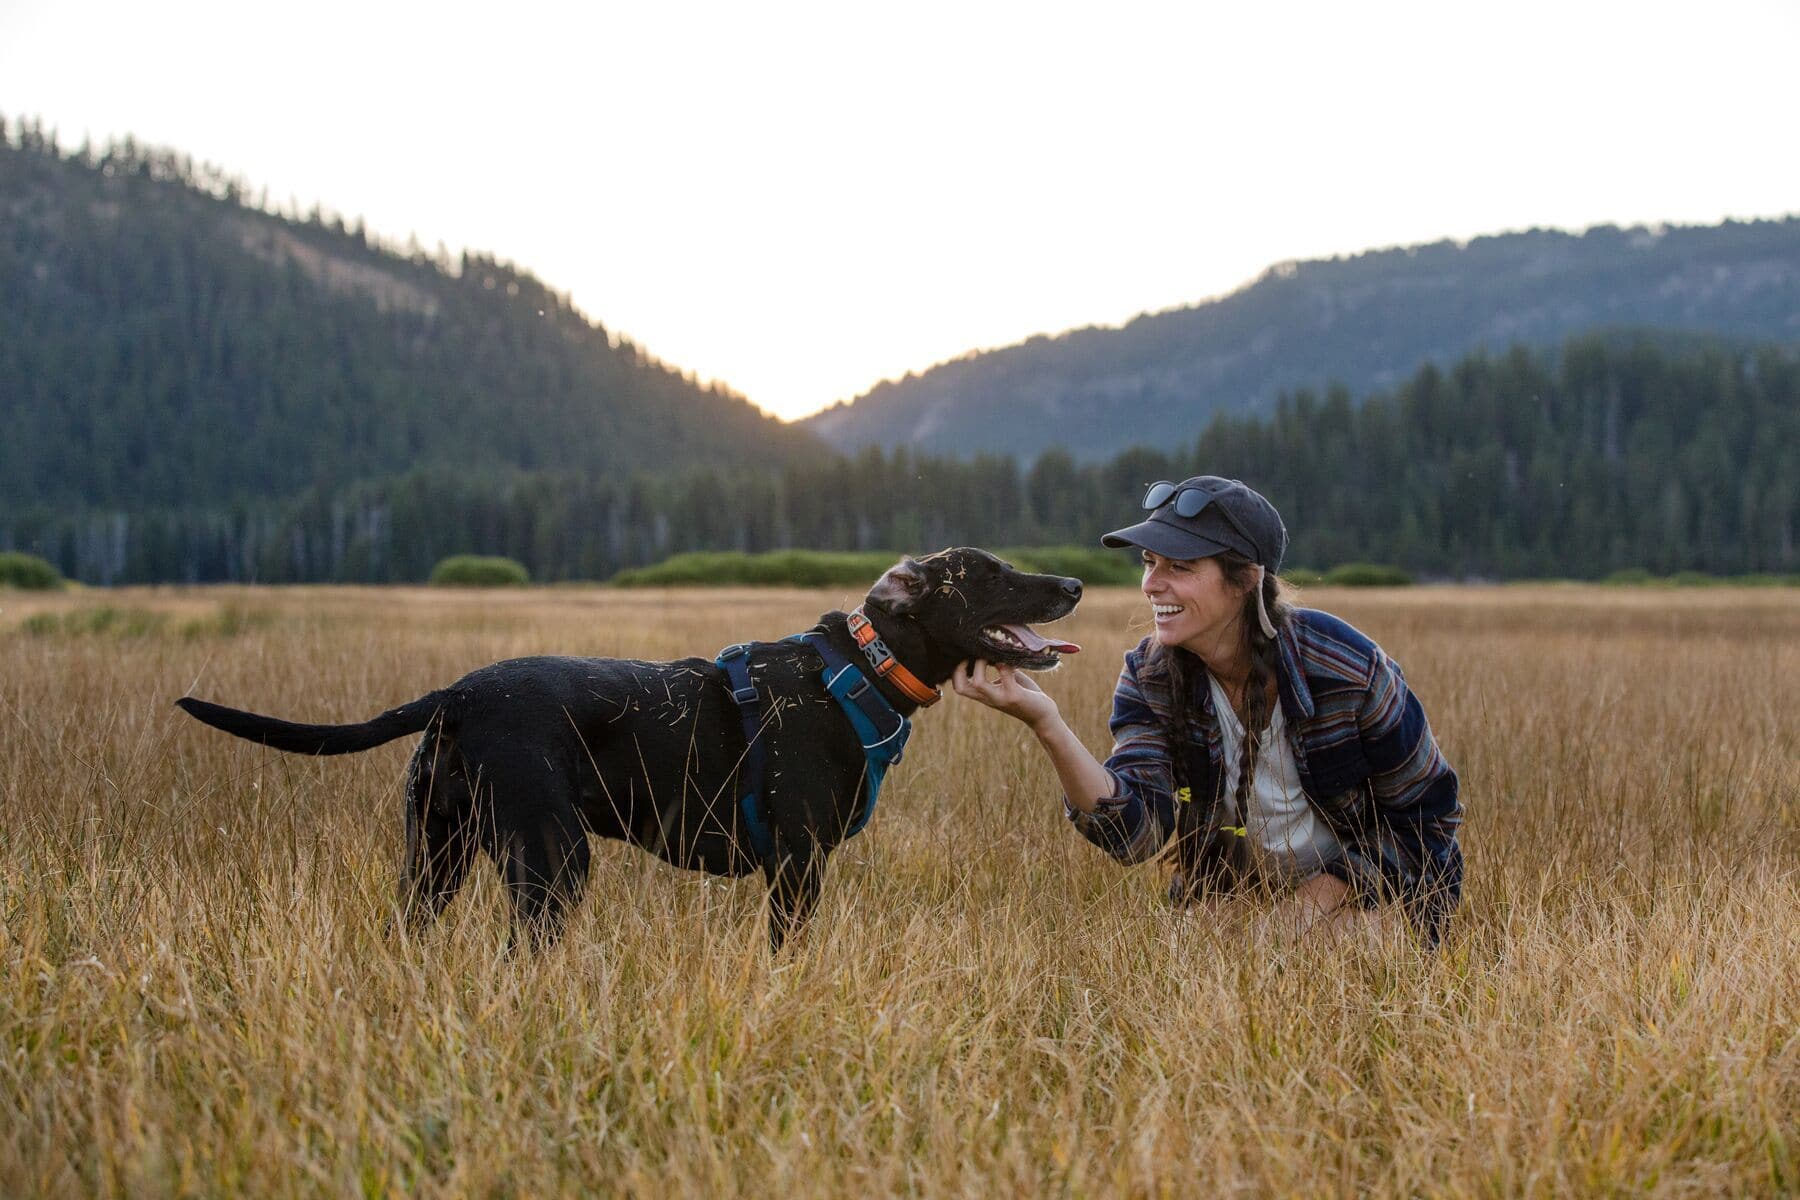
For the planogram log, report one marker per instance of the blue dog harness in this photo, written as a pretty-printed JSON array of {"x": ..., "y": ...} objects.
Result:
[{"x": 881, "y": 731}]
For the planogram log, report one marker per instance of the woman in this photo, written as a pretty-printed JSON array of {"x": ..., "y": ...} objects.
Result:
[{"x": 1349, "y": 802}]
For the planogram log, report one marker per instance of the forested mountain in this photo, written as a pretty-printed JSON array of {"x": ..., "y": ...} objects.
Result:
[
  {"x": 193, "y": 388},
  {"x": 165, "y": 344},
  {"x": 1609, "y": 454},
  {"x": 1366, "y": 322}
]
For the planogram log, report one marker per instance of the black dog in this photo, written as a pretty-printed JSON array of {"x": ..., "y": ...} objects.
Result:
[{"x": 525, "y": 758}]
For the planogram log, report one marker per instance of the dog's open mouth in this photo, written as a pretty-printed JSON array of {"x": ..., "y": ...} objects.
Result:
[{"x": 1028, "y": 643}]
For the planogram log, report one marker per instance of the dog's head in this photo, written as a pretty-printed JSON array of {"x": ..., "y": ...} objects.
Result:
[{"x": 964, "y": 603}]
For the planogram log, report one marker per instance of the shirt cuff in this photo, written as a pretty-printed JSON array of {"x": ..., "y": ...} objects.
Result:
[{"x": 1108, "y": 826}]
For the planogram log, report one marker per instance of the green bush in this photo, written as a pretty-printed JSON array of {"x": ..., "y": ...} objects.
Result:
[
  {"x": 103, "y": 620},
  {"x": 776, "y": 568},
  {"x": 475, "y": 570},
  {"x": 854, "y": 568},
  {"x": 1093, "y": 565},
  {"x": 1366, "y": 575},
  {"x": 88, "y": 622},
  {"x": 28, "y": 572},
  {"x": 1630, "y": 577},
  {"x": 229, "y": 621}
]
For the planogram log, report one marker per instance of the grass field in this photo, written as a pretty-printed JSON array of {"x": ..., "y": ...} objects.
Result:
[{"x": 196, "y": 995}]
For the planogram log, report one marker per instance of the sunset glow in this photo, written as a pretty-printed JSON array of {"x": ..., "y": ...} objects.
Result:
[{"x": 803, "y": 201}]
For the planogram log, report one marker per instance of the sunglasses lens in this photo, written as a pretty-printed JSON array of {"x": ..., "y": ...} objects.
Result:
[
  {"x": 1190, "y": 502},
  {"x": 1158, "y": 495}
]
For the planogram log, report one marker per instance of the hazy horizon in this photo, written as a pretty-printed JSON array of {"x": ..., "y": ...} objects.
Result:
[
  {"x": 390, "y": 240},
  {"x": 804, "y": 203}
]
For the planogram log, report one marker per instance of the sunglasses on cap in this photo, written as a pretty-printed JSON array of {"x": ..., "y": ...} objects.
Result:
[{"x": 1191, "y": 501}]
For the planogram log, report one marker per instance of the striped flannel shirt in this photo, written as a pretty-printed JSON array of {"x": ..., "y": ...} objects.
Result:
[{"x": 1368, "y": 764}]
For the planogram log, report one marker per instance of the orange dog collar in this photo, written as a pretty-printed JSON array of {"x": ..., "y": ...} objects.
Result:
[{"x": 887, "y": 666}]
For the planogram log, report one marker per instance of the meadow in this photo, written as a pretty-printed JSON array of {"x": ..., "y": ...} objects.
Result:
[{"x": 197, "y": 995}]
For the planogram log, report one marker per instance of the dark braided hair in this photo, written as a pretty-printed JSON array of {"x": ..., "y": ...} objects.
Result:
[
  {"x": 1180, "y": 667},
  {"x": 1259, "y": 689}
]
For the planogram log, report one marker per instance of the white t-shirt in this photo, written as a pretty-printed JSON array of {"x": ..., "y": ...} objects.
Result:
[{"x": 1288, "y": 842}]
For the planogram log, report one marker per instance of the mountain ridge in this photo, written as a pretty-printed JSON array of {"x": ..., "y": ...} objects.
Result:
[
  {"x": 164, "y": 343},
  {"x": 1364, "y": 320}
]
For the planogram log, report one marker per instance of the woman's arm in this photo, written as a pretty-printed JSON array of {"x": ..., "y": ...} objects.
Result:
[
  {"x": 1084, "y": 781},
  {"x": 1126, "y": 805}
]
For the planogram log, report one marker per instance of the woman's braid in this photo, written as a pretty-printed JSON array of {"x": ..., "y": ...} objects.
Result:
[{"x": 1259, "y": 690}]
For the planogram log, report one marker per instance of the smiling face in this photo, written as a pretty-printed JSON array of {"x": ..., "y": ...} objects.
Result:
[{"x": 1192, "y": 602}]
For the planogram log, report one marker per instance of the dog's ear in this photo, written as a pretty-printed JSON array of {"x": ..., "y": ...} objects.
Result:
[{"x": 900, "y": 587}]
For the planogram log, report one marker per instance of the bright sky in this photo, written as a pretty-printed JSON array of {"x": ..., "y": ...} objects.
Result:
[{"x": 801, "y": 200}]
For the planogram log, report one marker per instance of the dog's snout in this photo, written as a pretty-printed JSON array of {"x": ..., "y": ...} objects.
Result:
[{"x": 1072, "y": 588}]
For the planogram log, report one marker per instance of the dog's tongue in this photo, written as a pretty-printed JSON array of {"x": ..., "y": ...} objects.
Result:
[{"x": 1034, "y": 641}]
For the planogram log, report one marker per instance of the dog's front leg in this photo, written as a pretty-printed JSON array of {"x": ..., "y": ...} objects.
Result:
[{"x": 794, "y": 876}]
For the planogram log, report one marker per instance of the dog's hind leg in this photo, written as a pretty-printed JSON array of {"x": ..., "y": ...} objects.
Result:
[
  {"x": 441, "y": 836},
  {"x": 544, "y": 864},
  {"x": 537, "y": 839}
]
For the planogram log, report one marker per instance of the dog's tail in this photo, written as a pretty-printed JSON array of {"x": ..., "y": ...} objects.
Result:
[{"x": 318, "y": 739}]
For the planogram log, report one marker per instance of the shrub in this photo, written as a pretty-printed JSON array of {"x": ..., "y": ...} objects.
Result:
[
  {"x": 853, "y": 568},
  {"x": 1094, "y": 566},
  {"x": 93, "y": 622},
  {"x": 27, "y": 572},
  {"x": 1366, "y": 575},
  {"x": 776, "y": 568},
  {"x": 229, "y": 621},
  {"x": 475, "y": 570}
]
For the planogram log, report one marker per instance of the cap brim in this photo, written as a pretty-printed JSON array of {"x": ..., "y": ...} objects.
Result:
[{"x": 1158, "y": 537}]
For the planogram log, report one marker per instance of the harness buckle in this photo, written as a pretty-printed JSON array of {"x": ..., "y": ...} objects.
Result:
[
  {"x": 745, "y": 694},
  {"x": 737, "y": 651}
]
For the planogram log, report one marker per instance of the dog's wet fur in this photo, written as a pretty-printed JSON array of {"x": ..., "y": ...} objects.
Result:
[{"x": 525, "y": 758}]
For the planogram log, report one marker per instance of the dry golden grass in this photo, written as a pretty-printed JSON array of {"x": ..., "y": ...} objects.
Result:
[{"x": 196, "y": 996}]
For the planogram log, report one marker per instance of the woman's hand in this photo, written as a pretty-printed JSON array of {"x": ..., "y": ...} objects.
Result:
[
  {"x": 1321, "y": 907},
  {"x": 1011, "y": 691},
  {"x": 1320, "y": 901}
]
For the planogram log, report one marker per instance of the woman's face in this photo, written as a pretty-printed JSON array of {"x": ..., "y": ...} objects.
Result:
[{"x": 1189, "y": 599}]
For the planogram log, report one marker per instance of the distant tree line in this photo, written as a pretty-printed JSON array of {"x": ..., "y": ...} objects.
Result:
[
  {"x": 1611, "y": 454},
  {"x": 197, "y": 386}
]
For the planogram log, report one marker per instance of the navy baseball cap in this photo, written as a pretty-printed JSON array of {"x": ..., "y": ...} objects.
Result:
[{"x": 1206, "y": 515}]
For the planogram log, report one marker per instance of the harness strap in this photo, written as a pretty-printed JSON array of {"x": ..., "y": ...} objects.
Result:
[
  {"x": 735, "y": 662},
  {"x": 880, "y": 731}
]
